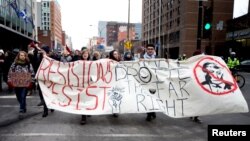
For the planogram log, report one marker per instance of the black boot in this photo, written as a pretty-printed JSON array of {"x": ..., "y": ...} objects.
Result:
[
  {"x": 45, "y": 113},
  {"x": 148, "y": 118},
  {"x": 153, "y": 115},
  {"x": 196, "y": 119},
  {"x": 115, "y": 115},
  {"x": 83, "y": 121}
]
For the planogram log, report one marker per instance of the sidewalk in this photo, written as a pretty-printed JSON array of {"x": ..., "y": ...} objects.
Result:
[{"x": 9, "y": 107}]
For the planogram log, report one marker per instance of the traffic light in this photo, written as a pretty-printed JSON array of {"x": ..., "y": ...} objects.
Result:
[{"x": 207, "y": 22}]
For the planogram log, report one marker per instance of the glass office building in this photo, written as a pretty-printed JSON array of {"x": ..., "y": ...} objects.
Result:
[{"x": 16, "y": 24}]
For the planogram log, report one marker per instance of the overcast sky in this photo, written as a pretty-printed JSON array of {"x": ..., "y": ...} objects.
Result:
[{"x": 77, "y": 15}]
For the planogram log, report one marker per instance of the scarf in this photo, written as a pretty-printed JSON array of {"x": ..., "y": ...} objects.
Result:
[
  {"x": 146, "y": 56},
  {"x": 21, "y": 62}
]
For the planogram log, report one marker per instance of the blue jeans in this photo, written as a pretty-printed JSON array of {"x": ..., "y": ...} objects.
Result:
[{"x": 21, "y": 93}]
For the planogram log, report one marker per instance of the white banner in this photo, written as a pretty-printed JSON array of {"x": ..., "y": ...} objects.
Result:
[{"x": 201, "y": 85}]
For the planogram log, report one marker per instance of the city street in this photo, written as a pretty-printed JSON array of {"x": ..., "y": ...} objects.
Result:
[{"x": 131, "y": 127}]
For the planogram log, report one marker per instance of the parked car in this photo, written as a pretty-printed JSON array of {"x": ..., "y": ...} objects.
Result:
[{"x": 244, "y": 66}]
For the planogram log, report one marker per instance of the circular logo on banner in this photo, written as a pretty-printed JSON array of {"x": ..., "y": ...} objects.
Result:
[{"x": 214, "y": 77}]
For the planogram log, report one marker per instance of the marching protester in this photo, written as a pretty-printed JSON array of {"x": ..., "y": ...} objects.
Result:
[
  {"x": 96, "y": 56},
  {"x": 114, "y": 55},
  {"x": 21, "y": 67},
  {"x": 77, "y": 55},
  {"x": 183, "y": 57},
  {"x": 2, "y": 58},
  {"x": 66, "y": 55},
  {"x": 128, "y": 56},
  {"x": 86, "y": 57},
  {"x": 150, "y": 54},
  {"x": 196, "y": 118},
  {"x": 39, "y": 53}
]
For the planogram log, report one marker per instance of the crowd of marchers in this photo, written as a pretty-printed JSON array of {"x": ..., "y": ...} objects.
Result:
[{"x": 27, "y": 62}]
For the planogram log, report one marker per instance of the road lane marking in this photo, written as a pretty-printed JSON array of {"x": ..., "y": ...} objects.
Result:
[
  {"x": 10, "y": 106},
  {"x": 13, "y": 96}
]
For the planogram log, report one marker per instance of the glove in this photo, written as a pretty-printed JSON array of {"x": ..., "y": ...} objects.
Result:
[{"x": 10, "y": 85}]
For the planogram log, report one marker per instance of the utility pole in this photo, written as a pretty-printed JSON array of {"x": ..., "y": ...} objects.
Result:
[
  {"x": 159, "y": 38},
  {"x": 128, "y": 20},
  {"x": 199, "y": 25}
]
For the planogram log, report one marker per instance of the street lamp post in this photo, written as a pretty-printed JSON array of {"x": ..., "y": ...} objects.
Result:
[{"x": 128, "y": 25}]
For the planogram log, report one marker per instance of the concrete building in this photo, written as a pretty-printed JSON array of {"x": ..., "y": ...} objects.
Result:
[
  {"x": 50, "y": 24},
  {"x": 17, "y": 24},
  {"x": 138, "y": 31},
  {"x": 172, "y": 25},
  {"x": 117, "y": 32},
  {"x": 102, "y": 30},
  {"x": 238, "y": 37}
]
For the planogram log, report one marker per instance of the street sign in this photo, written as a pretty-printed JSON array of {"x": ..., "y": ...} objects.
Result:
[{"x": 128, "y": 45}]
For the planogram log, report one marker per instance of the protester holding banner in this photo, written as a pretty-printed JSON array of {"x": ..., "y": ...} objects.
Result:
[
  {"x": 85, "y": 57},
  {"x": 196, "y": 118},
  {"x": 77, "y": 55},
  {"x": 96, "y": 56},
  {"x": 128, "y": 56},
  {"x": 44, "y": 50},
  {"x": 66, "y": 55},
  {"x": 114, "y": 55},
  {"x": 21, "y": 76},
  {"x": 150, "y": 54}
]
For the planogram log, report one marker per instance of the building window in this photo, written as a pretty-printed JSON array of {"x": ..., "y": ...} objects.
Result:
[{"x": 178, "y": 21}]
